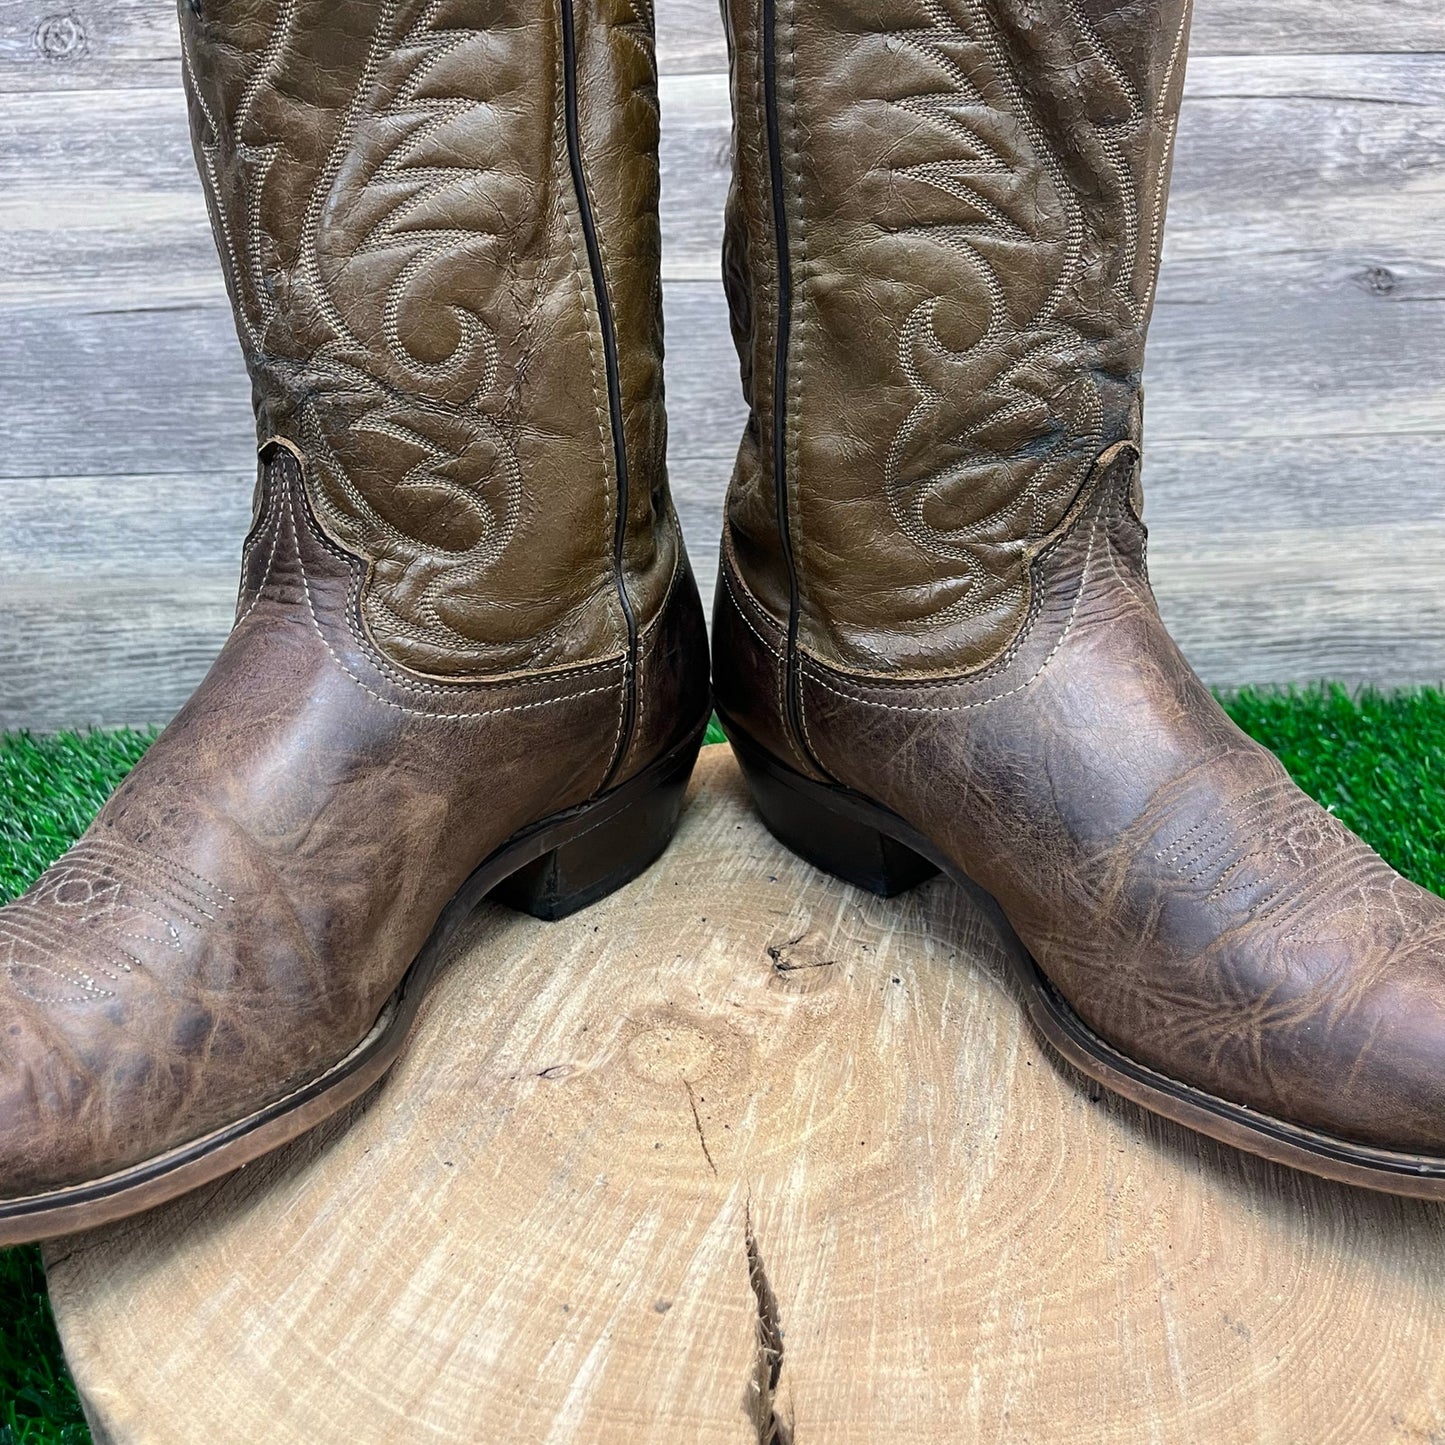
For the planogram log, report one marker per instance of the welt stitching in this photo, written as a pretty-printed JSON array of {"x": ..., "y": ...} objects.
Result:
[{"x": 400, "y": 707}]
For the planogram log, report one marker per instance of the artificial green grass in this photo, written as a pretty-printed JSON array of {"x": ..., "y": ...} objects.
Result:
[
  {"x": 38, "y": 1404},
  {"x": 49, "y": 789},
  {"x": 1376, "y": 759}
]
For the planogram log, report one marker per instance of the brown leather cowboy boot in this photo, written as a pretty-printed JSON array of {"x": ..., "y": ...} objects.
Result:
[
  {"x": 469, "y": 657},
  {"x": 935, "y": 644}
]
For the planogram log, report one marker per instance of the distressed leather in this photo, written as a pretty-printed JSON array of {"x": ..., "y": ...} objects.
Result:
[
  {"x": 1187, "y": 901},
  {"x": 430, "y": 653}
]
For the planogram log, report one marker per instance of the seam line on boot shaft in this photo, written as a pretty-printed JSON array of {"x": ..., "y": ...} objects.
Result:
[
  {"x": 607, "y": 326},
  {"x": 1105, "y": 494},
  {"x": 782, "y": 338},
  {"x": 288, "y": 504},
  {"x": 816, "y": 552}
]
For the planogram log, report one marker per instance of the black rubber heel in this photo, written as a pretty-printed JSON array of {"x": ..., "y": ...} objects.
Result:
[
  {"x": 828, "y": 825},
  {"x": 604, "y": 857}
]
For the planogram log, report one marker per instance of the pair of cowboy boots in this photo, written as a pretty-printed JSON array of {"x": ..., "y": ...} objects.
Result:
[{"x": 469, "y": 659}]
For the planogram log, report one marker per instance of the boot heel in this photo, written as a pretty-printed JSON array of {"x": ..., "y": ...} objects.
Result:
[
  {"x": 828, "y": 826},
  {"x": 594, "y": 863}
]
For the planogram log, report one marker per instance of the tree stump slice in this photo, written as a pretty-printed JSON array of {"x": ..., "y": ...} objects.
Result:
[{"x": 743, "y": 1155}]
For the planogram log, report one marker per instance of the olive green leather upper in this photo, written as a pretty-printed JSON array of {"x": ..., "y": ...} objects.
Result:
[
  {"x": 974, "y": 196},
  {"x": 391, "y": 188}
]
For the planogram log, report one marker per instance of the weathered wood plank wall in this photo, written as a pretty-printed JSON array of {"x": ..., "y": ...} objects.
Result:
[{"x": 1296, "y": 372}]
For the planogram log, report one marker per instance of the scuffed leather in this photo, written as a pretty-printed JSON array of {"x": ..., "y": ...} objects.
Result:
[
  {"x": 394, "y": 210},
  {"x": 241, "y": 909},
  {"x": 441, "y": 499},
  {"x": 1193, "y": 907},
  {"x": 975, "y": 194},
  {"x": 1191, "y": 904}
]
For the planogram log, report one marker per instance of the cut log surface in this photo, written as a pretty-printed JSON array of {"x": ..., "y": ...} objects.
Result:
[{"x": 742, "y": 1154}]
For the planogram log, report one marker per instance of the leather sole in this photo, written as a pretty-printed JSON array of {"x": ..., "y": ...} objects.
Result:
[
  {"x": 551, "y": 869},
  {"x": 863, "y": 843}
]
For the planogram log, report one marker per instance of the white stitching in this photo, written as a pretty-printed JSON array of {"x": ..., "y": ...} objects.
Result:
[
  {"x": 388, "y": 702},
  {"x": 812, "y": 667},
  {"x": 809, "y": 764},
  {"x": 384, "y": 664},
  {"x": 738, "y": 607},
  {"x": 273, "y": 523}
]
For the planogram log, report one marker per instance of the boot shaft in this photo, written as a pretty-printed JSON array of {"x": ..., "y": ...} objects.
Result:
[
  {"x": 942, "y": 246},
  {"x": 438, "y": 222}
]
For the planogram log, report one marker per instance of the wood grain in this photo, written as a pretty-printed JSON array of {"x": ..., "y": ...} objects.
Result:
[
  {"x": 1302, "y": 309},
  {"x": 736, "y": 1082},
  {"x": 117, "y": 44}
]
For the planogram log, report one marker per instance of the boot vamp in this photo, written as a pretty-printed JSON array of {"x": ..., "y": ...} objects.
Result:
[
  {"x": 238, "y": 915},
  {"x": 1184, "y": 897},
  {"x": 1241, "y": 940}
]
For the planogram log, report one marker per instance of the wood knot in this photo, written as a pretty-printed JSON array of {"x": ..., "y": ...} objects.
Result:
[
  {"x": 1378, "y": 281},
  {"x": 799, "y": 965},
  {"x": 668, "y": 1048},
  {"x": 61, "y": 37}
]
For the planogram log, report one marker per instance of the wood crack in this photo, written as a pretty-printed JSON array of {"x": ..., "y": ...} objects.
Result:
[
  {"x": 768, "y": 1367},
  {"x": 697, "y": 1124}
]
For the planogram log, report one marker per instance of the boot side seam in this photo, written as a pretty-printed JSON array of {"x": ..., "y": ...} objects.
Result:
[
  {"x": 612, "y": 366},
  {"x": 782, "y": 372},
  {"x": 742, "y": 609}
]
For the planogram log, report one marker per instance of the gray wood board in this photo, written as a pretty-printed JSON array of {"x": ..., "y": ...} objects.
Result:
[
  {"x": 1296, "y": 402},
  {"x": 1300, "y": 155},
  {"x": 108, "y": 44},
  {"x": 1270, "y": 558}
]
